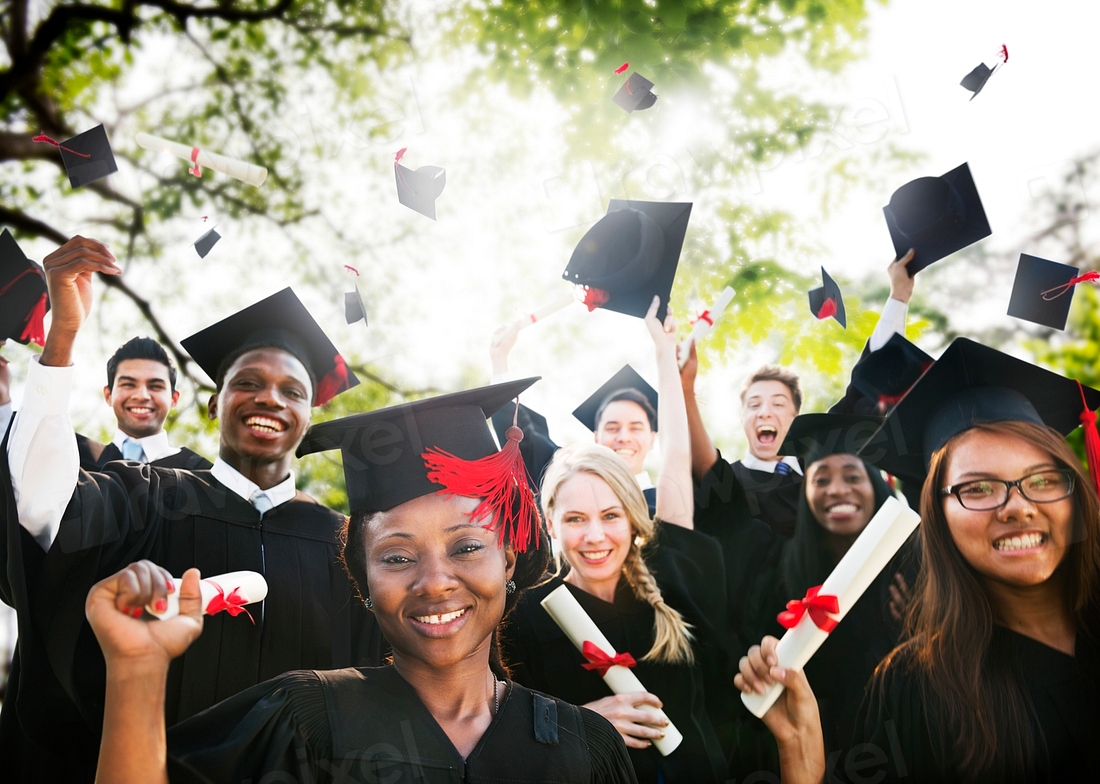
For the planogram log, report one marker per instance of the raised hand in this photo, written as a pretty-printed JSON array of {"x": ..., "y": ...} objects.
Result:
[
  {"x": 638, "y": 727},
  {"x": 664, "y": 335},
  {"x": 69, "y": 271},
  {"x": 504, "y": 340},
  {"x": 901, "y": 282}
]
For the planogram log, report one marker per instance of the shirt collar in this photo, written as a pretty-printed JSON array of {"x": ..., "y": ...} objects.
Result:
[
  {"x": 155, "y": 446},
  {"x": 643, "y": 479},
  {"x": 246, "y": 488},
  {"x": 751, "y": 461}
]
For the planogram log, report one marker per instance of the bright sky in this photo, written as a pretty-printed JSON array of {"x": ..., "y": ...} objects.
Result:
[{"x": 435, "y": 291}]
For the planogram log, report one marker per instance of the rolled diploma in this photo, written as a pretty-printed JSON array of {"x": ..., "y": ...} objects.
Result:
[
  {"x": 700, "y": 329},
  {"x": 250, "y": 585},
  {"x": 578, "y": 627},
  {"x": 238, "y": 170},
  {"x": 548, "y": 309},
  {"x": 867, "y": 556}
]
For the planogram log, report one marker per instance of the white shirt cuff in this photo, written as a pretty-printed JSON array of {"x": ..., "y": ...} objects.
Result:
[{"x": 890, "y": 321}]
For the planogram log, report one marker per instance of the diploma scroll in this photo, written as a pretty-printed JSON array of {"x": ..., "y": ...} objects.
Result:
[
  {"x": 579, "y": 628},
  {"x": 227, "y": 592},
  {"x": 868, "y": 555},
  {"x": 705, "y": 323},
  {"x": 548, "y": 309},
  {"x": 238, "y": 170}
]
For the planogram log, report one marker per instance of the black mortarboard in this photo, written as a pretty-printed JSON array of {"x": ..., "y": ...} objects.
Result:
[
  {"x": 88, "y": 157},
  {"x": 887, "y": 374},
  {"x": 826, "y": 300},
  {"x": 280, "y": 321},
  {"x": 635, "y": 94},
  {"x": 630, "y": 255},
  {"x": 354, "y": 309},
  {"x": 23, "y": 300},
  {"x": 971, "y": 384},
  {"x": 419, "y": 189},
  {"x": 206, "y": 243},
  {"x": 936, "y": 216},
  {"x": 384, "y": 450},
  {"x": 976, "y": 79},
  {"x": 625, "y": 379},
  {"x": 814, "y": 436},
  {"x": 1042, "y": 291}
]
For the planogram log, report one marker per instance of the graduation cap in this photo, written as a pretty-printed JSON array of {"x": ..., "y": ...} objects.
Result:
[
  {"x": 206, "y": 243},
  {"x": 630, "y": 255},
  {"x": 887, "y": 374},
  {"x": 1043, "y": 291},
  {"x": 635, "y": 94},
  {"x": 812, "y": 437},
  {"x": 826, "y": 300},
  {"x": 972, "y": 384},
  {"x": 976, "y": 79},
  {"x": 23, "y": 299},
  {"x": 936, "y": 216},
  {"x": 440, "y": 445},
  {"x": 354, "y": 309},
  {"x": 418, "y": 189},
  {"x": 280, "y": 321},
  {"x": 626, "y": 380},
  {"x": 87, "y": 157}
]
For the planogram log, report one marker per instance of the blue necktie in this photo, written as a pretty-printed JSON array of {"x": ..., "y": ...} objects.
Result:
[
  {"x": 782, "y": 468},
  {"x": 261, "y": 501},
  {"x": 132, "y": 450}
]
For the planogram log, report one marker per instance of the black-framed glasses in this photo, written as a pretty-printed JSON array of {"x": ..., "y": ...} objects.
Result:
[{"x": 1044, "y": 487}]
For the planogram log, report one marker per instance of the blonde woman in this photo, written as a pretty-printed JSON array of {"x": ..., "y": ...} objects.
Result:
[{"x": 654, "y": 589}]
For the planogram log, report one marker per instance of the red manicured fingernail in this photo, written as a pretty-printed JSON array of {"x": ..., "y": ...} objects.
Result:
[
  {"x": 171, "y": 585},
  {"x": 127, "y": 610},
  {"x": 137, "y": 612},
  {"x": 161, "y": 605}
]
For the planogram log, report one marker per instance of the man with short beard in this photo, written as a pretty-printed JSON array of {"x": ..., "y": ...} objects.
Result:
[
  {"x": 270, "y": 362},
  {"x": 141, "y": 390}
]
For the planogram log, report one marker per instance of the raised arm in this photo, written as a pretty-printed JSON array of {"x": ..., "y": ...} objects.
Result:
[
  {"x": 134, "y": 748},
  {"x": 703, "y": 453},
  {"x": 675, "y": 502},
  {"x": 896, "y": 309},
  {"x": 42, "y": 453}
]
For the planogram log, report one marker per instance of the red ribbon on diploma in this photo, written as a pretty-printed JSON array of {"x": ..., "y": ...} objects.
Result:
[
  {"x": 601, "y": 662},
  {"x": 705, "y": 316},
  {"x": 195, "y": 168},
  {"x": 817, "y": 606},
  {"x": 233, "y": 603}
]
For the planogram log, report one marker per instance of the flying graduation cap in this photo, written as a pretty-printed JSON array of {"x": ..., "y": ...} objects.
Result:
[
  {"x": 87, "y": 157},
  {"x": 418, "y": 189},
  {"x": 635, "y": 94},
  {"x": 354, "y": 309},
  {"x": 629, "y": 255},
  {"x": 826, "y": 300},
  {"x": 23, "y": 299},
  {"x": 627, "y": 378},
  {"x": 936, "y": 216},
  {"x": 1043, "y": 291},
  {"x": 206, "y": 243},
  {"x": 976, "y": 79},
  {"x": 279, "y": 321}
]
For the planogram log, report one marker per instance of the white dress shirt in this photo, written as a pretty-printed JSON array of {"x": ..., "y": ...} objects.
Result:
[
  {"x": 155, "y": 446},
  {"x": 891, "y": 320},
  {"x": 5, "y": 417},
  {"x": 643, "y": 480},
  {"x": 754, "y": 463},
  {"x": 247, "y": 489}
]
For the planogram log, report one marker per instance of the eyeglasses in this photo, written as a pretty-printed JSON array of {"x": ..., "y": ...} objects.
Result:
[{"x": 981, "y": 495}]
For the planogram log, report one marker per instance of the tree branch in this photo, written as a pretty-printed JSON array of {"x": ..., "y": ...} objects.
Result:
[{"x": 361, "y": 370}]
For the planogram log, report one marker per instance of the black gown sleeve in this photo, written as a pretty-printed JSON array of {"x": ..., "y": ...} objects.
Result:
[
  {"x": 280, "y": 726},
  {"x": 610, "y": 761},
  {"x": 537, "y": 448}
]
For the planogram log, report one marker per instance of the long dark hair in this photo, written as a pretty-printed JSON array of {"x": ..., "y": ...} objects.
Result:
[
  {"x": 808, "y": 559},
  {"x": 530, "y": 566},
  {"x": 972, "y": 694}
]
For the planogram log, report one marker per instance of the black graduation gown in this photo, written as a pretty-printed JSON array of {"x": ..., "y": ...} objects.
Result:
[
  {"x": 734, "y": 489},
  {"x": 178, "y": 519},
  {"x": 1064, "y": 692},
  {"x": 537, "y": 448},
  {"x": 686, "y": 566},
  {"x": 369, "y": 725},
  {"x": 94, "y": 456}
]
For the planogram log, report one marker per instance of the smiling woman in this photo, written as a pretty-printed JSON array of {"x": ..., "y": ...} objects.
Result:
[{"x": 443, "y": 539}]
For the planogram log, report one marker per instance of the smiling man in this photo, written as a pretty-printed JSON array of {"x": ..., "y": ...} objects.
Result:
[
  {"x": 271, "y": 362},
  {"x": 141, "y": 390}
]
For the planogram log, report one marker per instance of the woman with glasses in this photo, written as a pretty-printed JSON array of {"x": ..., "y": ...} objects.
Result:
[{"x": 997, "y": 676}]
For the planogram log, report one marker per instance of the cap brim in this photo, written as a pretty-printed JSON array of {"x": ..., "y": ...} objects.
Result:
[
  {"x": 83, "y": 171},
  {"x": 635, "y": 94},
  {"x": 812, "y": 437},
  {"x": 974, "y": 228},
  {"x": 891, "y": 370},
  {"x": 626, "y": 378},
  {"x": 206, "y": 243},
  {"x": 419, "y": 189}
]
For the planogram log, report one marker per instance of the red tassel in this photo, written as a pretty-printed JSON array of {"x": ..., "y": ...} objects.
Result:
[
  {"x": 35, "y": 330},
  {"x": 44, "y": 138},
  {"x": 827, "y": 309},
  {"x": 622, "y": 68},
  {"x": 195, "y": 168},
  {"x": 1054, "y": 293},
  {"x": 594, "y": 298},
  {"x": 500, "y": 481},
  {"x": 334, "y": 382},
  {"x": 399, "y": 155},
  {"x": 1092, "y": 440}
]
